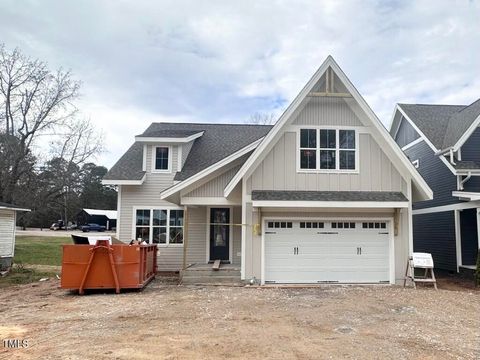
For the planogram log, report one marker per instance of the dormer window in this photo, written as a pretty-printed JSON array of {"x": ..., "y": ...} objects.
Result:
[
  {"x": 162, "y": 156},
  {"x": 329, "y": 150}
]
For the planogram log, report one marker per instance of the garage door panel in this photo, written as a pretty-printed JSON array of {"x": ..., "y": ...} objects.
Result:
[{"x": 305, "y": 255}]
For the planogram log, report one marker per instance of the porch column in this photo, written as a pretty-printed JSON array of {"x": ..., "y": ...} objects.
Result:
[{"x": 185, "y": 236}]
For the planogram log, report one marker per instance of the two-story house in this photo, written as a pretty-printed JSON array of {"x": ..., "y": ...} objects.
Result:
[
  {"x": 325, "y": 195},
  {"x": 443, "y": 142}
]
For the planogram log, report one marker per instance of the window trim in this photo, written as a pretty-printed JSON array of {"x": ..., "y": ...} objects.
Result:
[
  {"x": 154, "y": 158},
  {"x": 151, "y": 226},
  {"x": 337, "y": 149}
]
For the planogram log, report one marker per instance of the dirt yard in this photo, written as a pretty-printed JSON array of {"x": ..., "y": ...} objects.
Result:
[{"x": 175, "y": 322}]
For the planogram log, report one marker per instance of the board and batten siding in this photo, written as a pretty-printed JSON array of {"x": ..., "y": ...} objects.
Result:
[
  {"x": 278, "y": 170},
  {"x": 327, "y": 111},
  {"x": 7, "y": 233},
  {"x": 216, "y": 186}
]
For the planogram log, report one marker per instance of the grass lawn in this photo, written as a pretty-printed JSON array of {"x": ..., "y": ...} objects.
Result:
[
  {"x": 39, "y": 250},
  {"x": 31, "y": 251},
  {"x": 22, "y": 275}
]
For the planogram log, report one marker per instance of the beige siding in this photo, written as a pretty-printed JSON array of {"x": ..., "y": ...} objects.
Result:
[
  {"x": 197, "y": 235},
  {"x": 215, "y": 187},
  {"x": 253, "y": 261},
  {"x": 148, "y": 196},
  {"x": 7, "y": 232},
  {"x": 327, "y": 111},
  {"x": 278, "y": 170}
]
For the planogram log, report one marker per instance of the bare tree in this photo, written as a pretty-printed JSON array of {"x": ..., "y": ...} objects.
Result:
[
  {"x": 35, "y": 101},
  {"x": 260, "y": 118}
]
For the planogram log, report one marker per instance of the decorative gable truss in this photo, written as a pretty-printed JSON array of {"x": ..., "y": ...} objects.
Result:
[{"x": 329, "y": 82}]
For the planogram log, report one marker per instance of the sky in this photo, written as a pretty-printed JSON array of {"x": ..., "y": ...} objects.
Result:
[{"x": 222, "y": 61}]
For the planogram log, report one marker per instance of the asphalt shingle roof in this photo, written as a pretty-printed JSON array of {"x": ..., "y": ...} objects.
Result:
[
  {"x": 129, "y": 166},
  {"x": 174, "y": 133},
  {"x": 327, "y": 195},
  {"x": 432, "y": 120},
  {"x": 467, "y": 165},
  {"x": 217, "y": 142},
  {"x": 443, "y": 125}
]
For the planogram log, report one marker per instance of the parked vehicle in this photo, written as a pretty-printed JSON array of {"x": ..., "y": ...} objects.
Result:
[
  {"x": 59, "y": 225},
  {"x": 92, "y": 227}
]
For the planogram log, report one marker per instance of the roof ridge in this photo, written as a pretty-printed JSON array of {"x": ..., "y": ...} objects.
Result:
[
  {"x": 467, "y": 106},
  {"x": 195, "y": 123},
  {"x": 434, "y": 104}
]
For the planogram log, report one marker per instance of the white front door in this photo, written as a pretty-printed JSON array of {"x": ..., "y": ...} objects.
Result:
[{"x": 313, "y": 251}]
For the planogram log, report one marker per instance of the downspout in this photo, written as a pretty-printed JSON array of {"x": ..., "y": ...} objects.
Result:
[{"x": 452, "y": 161}]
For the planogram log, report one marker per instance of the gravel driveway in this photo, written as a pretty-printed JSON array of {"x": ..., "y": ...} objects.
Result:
[{"x": 176, "y": 322}]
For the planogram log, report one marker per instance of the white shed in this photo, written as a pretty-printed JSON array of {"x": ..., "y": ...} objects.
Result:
[{"x": 8, "y": 217}]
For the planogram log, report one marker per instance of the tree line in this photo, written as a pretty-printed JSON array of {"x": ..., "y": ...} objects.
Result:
[{"x": 46, "y": 145}]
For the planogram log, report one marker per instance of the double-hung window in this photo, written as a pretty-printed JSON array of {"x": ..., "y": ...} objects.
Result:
[
  {"x": 161, "y": 159},
  {"x": 159, "y": 226},
  {"x": 328, "y": 150}
]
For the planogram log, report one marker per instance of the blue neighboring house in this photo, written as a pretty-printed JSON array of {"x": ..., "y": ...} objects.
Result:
[{"x": 443, "y": 142}]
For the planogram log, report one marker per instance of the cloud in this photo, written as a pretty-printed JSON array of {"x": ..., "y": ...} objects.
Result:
[{"x": 221, "y": 61}]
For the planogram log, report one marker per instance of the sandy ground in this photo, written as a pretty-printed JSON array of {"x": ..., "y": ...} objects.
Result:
[
  {"x": 166, "y": 321},
  {"x": 59, "y": 233}
]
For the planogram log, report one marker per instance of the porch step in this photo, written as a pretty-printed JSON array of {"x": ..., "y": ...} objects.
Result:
[{"x": 206, "y": 275}]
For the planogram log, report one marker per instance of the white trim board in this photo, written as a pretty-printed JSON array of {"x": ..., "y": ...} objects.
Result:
[
  {"x": 220, "y": 201},
  {"x": 124, "y": 182},
  {"x": 413, "y": 143},
  {"x": 472, "y": 196},
  {"x": 167, "y": 140},
  {"x": 198, "y": 176},
  {"x": 262, "y": 149},
  {"x": 452, "y": 207},
  {"x": 331, "y": 204},
  {"x": 14, "y": 209},
  {"x": 119, "y": 208},
  {"x": 458, "y": 239}
]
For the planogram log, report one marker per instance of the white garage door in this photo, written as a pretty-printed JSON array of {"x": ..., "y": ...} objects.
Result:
[{"x": 326, "y": 251}]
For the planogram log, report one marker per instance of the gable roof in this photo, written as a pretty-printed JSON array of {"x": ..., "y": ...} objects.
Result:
[
  {"x": 432, "y": 120},
  {"x": 218, "y": 142},
  {"x": 443, "y": 125},
  {"x": 392, "y": 150},
  {"x": 111, "y": 214},
  {"x": 8, "y": 206}
]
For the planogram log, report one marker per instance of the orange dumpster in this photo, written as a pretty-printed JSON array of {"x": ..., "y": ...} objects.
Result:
[{"x": 106, "y": 266}]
